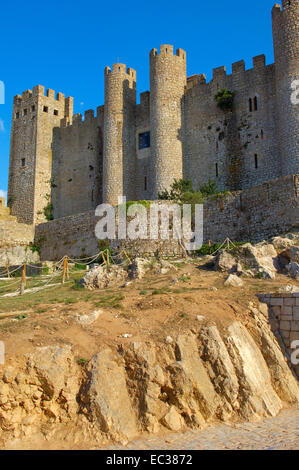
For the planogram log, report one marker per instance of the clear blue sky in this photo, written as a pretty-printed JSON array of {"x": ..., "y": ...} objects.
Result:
[{"x": 65, "y": 45}]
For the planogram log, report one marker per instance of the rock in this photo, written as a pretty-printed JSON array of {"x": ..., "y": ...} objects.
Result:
[
  {"x": 293, "y": 270},
  {"x": 173, "y": 420},
  {"x": 108, "y": 397},
  {"x": 223, "y": 373},
  {"x": 169, "y": 339},
  {"x": 224, "y": 261},
  {"x": 281, "y": 243},
  {"x": 214, "y": 289},
  {"x": 101, "y": 277},
  {"x": 233, "y": 281},
  {"x": 292, "y": 254},
  {"x": 127, "y": 335},
  {"x": 88, "y": 318},
  {"x": 200, "y": 318},
  {"x": 193, "y": 390},
  {"x": 140, "y": 266},
  {"x": 289, "y": 289},
  {"x": 256, "y": 391},
  {"x": 262, "y": 258}
]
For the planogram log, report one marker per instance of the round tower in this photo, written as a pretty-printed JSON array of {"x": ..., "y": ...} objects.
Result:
[
  {"x": 119, "y": 133},
  {"x": 167, "y": 83},
  {"x": 285, "y": 22}
]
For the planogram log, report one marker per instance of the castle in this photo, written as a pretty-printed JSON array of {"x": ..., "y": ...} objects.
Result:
[{"x": 64, "y": 165}]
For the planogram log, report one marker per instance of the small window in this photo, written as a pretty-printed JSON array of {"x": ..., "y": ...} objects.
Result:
[
  {"x": 25, "y": 112},
  {"x": 17, "y": 115},
  {"x": 217, "y": 172},
  {"x": 144, "y": 140},
  {"x": 33, "y": 108},
  {"x": 256, "y": 163},
  {"x": 145, "y": 183},
  {"x": 255, "y": 103},
  {"x": 55, "y": 112},
  {"x": 250, "y": 105},
  {"x": 23, "y": 162},
  {"x": 46, "y": 109}
]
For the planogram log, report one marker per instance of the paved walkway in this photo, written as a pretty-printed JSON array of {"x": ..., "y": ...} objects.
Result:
[{"x": 281, "y": 432}]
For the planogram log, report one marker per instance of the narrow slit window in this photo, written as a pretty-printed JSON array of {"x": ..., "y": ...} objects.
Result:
[
  {"x": 217, "y": 146},
  {"x": 145, "y": 183},
  {"x": 17, "y": 115},
  {"x": 55, "y": 112},
  {"x": 250, "y": 104},
  {"x": 33, "y": 108},
  {"x": 46, "y": 109},
  {"x": 25, "y": 112},
  {"x": 256, "y": 163},
  {"x": 23, "y": 162},
  {"x": 217, "y": 171},
  {"x": 255, "y": 103},
  {"x": 262, "y": 134}
]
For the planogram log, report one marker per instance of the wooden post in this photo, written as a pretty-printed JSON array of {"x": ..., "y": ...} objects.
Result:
[
  {"x": 108, "y": 260},
  {"x": 210, "y": 245},
  {"x": 104, "y": 259},
  {"x": 23, "y": 280},
  {"x": 67, "y": 269},
  {"x": 64, "y": 269}
]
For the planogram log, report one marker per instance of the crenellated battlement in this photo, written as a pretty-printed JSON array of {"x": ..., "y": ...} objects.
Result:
[
  {"x": 166, "y": 50},
  {"x": 121, "y": 69}
]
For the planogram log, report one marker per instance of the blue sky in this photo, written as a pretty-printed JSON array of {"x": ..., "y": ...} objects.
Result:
[{"x": 65, "y": 45}]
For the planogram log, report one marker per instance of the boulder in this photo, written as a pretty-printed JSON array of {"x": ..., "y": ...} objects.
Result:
[
  {"x": 224, "y": 261},
  {"x": 281, "y": 243},
  {"x": 292, "y": 254},
  {"x": 233, "y": 281},
  {"x": 293, "y": 270},
  {"x": 88, "y": 318},
  {"x": 262, "y": 258},
  {"x": 103, "y": 276},
  {"x": 173, "y": 420}
]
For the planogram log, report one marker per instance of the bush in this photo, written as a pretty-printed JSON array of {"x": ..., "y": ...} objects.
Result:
[{"x": 225, "y": 99}]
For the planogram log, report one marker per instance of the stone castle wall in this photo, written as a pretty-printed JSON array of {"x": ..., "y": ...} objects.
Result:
[
  {"x": 253, "y": 214},
  {"x": 190, "y": 136},
  {"x": 76, "y": 184},
  {"x": 284, "y": 317}
]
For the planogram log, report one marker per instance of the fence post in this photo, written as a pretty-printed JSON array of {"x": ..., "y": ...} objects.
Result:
[
  {"x": 23, "y": 280},
  {"x": 65, "y": 268}
]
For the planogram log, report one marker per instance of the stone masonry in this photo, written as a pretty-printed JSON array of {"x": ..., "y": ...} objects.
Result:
[
  {"x": 284, "y": 316},
  {"x": 68, "y": 165}
]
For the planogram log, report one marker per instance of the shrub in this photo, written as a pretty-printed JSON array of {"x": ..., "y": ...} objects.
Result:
[{"x": 225, "y": 99}]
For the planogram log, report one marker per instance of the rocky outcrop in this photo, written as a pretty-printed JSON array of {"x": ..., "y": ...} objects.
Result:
[
  {"x": 204, "y": 374},
  {"x": 103, "y": 276}
]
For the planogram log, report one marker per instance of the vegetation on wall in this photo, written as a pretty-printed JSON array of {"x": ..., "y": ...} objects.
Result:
[
  {"x": 183, "y": 192},
  {"x": 225, "y": 99}
]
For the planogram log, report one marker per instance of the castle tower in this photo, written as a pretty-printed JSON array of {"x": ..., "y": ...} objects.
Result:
[
  {"x": 167, "y": 84},
  {"x": 119, "y": 134},
  {"x": 34, "y": 117},
  {"x": 285, "y": 24}
]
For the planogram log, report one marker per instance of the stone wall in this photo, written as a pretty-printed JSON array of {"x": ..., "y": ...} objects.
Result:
[
  {"x": 14, "y": 234},
  {"x": 284, "y": 316},
  {"x": 253, "y": 214},
  {"x": 77, "y": 164}
]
